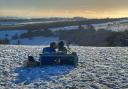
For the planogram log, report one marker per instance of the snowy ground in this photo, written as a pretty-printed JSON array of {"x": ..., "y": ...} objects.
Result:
[
  {"x": 98, "y": 68},
  {"x": 36, "y": 41},
  {"x": 11, "y": 33}
]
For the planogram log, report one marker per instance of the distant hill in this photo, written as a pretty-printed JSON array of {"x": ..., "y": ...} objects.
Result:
[{"x": 77, "y": 30}]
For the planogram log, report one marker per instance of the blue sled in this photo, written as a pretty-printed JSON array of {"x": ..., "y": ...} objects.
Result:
[{"x": 58, "y": 59}]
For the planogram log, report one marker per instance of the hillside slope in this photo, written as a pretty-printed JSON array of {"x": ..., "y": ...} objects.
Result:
[{"x": 98, "y": 68}]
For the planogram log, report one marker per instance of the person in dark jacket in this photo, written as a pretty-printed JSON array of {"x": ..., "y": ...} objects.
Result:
[
  {"x": 51, "y": 49},
  {"x": 31, "y": 62},
  {"x": 61, "y": 47}
]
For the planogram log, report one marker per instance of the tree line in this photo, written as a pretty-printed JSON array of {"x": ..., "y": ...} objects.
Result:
[{"x": 81, "y": 36}]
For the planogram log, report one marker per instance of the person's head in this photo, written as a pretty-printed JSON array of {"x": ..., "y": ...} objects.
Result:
[
  {"x": 30, "y": 58},
  {"x": 53, "y": 45},
  {"x": 61, "y": 44}
]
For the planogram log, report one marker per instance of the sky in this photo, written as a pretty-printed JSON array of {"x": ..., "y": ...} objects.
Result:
[{"x": 64, "y": 8}]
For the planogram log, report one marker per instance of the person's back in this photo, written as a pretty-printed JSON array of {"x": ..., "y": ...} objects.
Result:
[{"x": 50, "y": 49}]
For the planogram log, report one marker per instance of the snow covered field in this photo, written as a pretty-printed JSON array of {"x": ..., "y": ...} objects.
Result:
[
  {"x": 98, "y": 68},
  {"x": 7, "y": 23},
  {"x": 36, "y": 41},
  {"x": 66, "y": 28},
  {"x": 11, "y": 33},
  {"x": 40, "y": 40},
  {"x": 116, "y": 27}
]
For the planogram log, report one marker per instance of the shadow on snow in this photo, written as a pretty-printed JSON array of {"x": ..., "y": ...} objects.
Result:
[{"x": 28, "y": 75}]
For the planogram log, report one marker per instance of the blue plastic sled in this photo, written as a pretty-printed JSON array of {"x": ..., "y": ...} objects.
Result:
[{"x": 58, "y": 59}]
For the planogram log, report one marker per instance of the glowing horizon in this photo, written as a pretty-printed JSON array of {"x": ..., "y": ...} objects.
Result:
[{"x": 64, "y": 8}]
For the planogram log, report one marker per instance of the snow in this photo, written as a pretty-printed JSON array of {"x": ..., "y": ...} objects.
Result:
[
  {"x": 7, "y": 23},
  {"x": 114, "y": 25},
  {"x": 25, "y": 41},
  {"x": 11, "y": 33},
  {"x": 36, "y": 41},
  {"x": 40, "y": 22},
  {"x": 64, "y": 28},
  {"x": 117, "y": 26},
  {"x": 98, "y": 68}
]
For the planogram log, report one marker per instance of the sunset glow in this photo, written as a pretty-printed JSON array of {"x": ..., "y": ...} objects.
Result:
[{"x": 64, "y": 8}]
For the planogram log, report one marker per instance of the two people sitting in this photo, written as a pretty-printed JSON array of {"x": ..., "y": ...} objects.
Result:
[
  {"x": 31, "y": 62},
  {"x": 53, "y": 46}
]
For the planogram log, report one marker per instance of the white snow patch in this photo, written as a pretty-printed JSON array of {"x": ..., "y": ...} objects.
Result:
[{"x": 64, "y": 28}]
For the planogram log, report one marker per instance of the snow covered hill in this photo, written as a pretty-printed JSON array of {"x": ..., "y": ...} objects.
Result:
[
  {"x": 36, "y": 41},
  {"x": 11, "y": 33},
  {"x": 98, "y": 68},
  {"x": 40, "y": 40}
]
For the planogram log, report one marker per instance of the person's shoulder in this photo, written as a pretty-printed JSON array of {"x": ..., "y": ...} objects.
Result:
[{"x": 46, "y": 48}]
